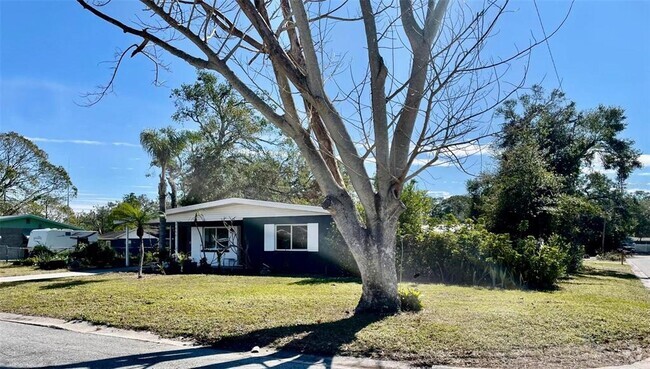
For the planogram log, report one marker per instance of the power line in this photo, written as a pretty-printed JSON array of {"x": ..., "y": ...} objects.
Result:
[{"x": 548, "y": 45}]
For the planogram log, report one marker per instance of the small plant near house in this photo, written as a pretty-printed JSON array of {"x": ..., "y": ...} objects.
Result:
[{"x": 409, "y": 299}]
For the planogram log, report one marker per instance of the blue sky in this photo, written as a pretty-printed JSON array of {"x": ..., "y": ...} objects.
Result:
[{"x": 51, "y": 53}]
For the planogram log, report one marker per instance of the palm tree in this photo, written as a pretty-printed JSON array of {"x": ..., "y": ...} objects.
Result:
[
  {"x": 163, "y": 145},
  {"x": 135, "y": 215}
]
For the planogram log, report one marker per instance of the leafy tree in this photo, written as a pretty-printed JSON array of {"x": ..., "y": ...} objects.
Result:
[
  {"x": 163, "y": 145},
  {"x": 417, "y": 210},
  {"x": 420, "y": 102},
  {"x": 640, "y": 210},
  {"x": 458, "y": 205},
  {"x": 235, "y": 152},
  {"x": 135, "y": 215},
  {"x": 569, "y": 139},
  {"x": 27, "y": 178}
]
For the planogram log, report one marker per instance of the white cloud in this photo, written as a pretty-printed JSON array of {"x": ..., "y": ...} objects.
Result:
[
  {"x": 443, "y": 194},
  {"x": 645, "y": 174},
  {"x": 645, "y": 160},
  {"x": 80, "y": 142}
]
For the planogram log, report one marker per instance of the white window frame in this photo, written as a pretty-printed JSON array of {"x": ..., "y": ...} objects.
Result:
[
  {"x": 204, "y": 247},
  {"x": 275, "y": 238}
]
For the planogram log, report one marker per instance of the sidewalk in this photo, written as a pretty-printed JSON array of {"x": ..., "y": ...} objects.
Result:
[{"x": 46, "y": 276}]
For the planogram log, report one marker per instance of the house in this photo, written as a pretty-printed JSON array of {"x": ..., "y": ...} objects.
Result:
[
  {"x": 15, "y": 230},
  {"x": 118, "y": 240},
  {"x": 60, "y": 239},
  {"x": 255, "y": 235}
]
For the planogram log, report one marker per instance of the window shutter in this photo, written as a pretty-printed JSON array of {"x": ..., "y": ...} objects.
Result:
[
  {"x": 269, "y": 237},
  {"x": 312, "y": 237}
]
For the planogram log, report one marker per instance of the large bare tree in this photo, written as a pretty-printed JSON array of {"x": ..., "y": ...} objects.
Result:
[{"x": 365, "y": 126}]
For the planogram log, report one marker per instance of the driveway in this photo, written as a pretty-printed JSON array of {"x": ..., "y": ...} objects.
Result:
[
  {"x": 46, "y": 276},
  {"x": 641, "y": 266}
]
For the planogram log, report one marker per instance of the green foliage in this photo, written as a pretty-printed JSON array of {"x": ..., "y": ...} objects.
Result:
[
  {"x": 29, "y": 182},
  {"x": 40, "y": 251},
  {"x": 53, "y": 263},
  {"x": 609, "y": 256},
  {"x": 99, "y": 254},
  {"x": 467, "y": 253},
  {"x": 539, "y": 187},
  {"x": 409, "y": 299},
  {"x": 540, "y": 264},
  {"x": 418, "y": 208},
  {"x": 235, "y": 152},
  {"x": 458, "y": 206}
]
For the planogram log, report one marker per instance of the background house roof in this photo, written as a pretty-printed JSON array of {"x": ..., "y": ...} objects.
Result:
[
  {"x": 120, "y": 235},
  {"x": 29, "y": 221},
  {"x": 236, "y": 209}
]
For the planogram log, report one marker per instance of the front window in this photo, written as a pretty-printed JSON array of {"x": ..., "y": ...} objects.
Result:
[
  {"x": 291, "y": 237},
  {"x": 216, "y": 237}
]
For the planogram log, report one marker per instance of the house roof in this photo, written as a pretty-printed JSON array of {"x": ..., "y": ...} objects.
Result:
[
  {"x": 236, "y": 208},
  {"x": 6, "y": 219},
  {"x": 120, "y": 235}
]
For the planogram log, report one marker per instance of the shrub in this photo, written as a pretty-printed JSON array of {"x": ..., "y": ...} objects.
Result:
[
  {"x": 541, "y": 264},
  {"x": 29, "y": 261},
  {"x": 409, "y": 299},
  {"x": 41, "y": 251},
  {"x": 51, "y": 264},
  {"x": 610, "y": 256},
  {"x": 96, "y": 254},
  {"x": 467, "y": 253}
]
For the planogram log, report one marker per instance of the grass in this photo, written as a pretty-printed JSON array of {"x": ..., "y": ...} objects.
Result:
[
  {"x": 600, "y": 317},
  {"x": 10, "y": 270}
]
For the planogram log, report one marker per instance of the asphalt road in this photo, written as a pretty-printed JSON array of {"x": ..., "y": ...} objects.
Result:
[{"x": 27, "y": 346}]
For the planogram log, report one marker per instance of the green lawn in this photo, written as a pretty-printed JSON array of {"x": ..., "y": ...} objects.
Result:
[
  {"x": 601, "y": 317},
  {"x": 10, "y": 270}
]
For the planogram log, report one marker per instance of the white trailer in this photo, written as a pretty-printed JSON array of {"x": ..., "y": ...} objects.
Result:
[{"x": 60, "y": 239}]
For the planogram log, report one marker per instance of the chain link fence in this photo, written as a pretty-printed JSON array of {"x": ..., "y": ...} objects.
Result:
[{"x": 12, "y": 253}]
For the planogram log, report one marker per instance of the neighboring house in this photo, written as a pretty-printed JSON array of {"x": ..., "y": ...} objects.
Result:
[
  {"x": 15, "y": 230},
  {"x": 117, "y": 240},
  {"x": 285, "y": 238}
]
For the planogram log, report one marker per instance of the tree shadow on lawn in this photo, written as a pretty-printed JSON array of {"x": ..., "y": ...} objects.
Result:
[
  {"x": 318, "y": 338},
  {"x": 51, "y": 285},
  {"x": 325, "y": 280},
  {"x": 595, "y": 273}
]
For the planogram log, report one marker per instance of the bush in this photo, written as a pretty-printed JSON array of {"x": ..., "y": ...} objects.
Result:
[
  {"x": 41, "y": 251},
  {"x": 467, "y": 253},
  {"x": 96, "y": 254},
  {"x": 409, "y": 299},
  {"x": 609, "y": 256},
  {"x": 29, "y": 261},
  {"x": 51, "y": 264},
  {"x": 541, "y": 264}
]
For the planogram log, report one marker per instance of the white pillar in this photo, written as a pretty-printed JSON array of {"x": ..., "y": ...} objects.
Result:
[
  {"x": 126, "y": 249},
  {"x": 176, "y": 238}
]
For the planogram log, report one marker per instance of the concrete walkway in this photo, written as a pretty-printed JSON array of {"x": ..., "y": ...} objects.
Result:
[{"x": 46, "y": 276}]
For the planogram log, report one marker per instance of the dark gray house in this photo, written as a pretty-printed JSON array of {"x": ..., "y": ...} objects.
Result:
[{"x": 252, "y": 234}]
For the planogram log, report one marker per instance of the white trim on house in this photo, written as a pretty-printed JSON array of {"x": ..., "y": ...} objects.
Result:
[
  {"x": 237, "y": 209},
  {"x": 271, "y": 234}
]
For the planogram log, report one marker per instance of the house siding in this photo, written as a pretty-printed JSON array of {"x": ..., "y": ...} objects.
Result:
[{"x": 323, "y": 262}]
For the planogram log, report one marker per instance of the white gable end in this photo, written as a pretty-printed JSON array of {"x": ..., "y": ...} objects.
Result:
[{"x": 237, "y": 211}]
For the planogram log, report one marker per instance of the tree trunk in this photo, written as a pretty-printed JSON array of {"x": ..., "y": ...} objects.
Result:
[
  {"x": 141, "y": 257},
  {"x": 379, "y": 277},
  {"x": 162, "y": 225},
  {"x": 172, "y": 193},
  {"x": 373, "y": 249}
]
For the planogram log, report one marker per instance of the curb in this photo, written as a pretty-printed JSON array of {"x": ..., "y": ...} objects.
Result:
[{"x": 645, "y": 280}]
